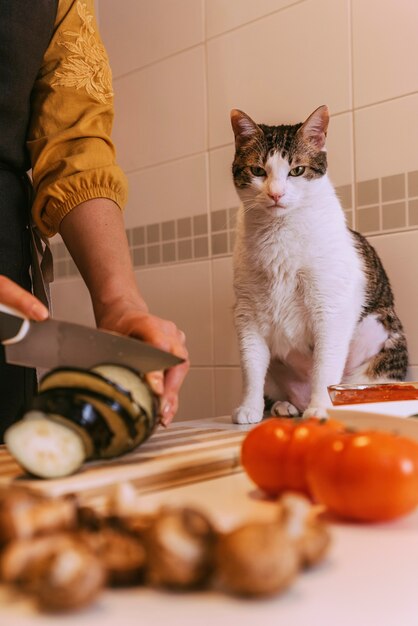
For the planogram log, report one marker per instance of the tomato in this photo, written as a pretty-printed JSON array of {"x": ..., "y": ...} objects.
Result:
[
  {"x": 365, "y": 476},
  {"x": 274, "y": 453}
]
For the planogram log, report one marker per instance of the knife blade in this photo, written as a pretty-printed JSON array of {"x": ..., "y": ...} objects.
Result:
[{"x": 53, "y": 343}]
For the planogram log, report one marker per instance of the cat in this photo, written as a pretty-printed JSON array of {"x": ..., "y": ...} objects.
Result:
[{"x": 313, "y": 304}]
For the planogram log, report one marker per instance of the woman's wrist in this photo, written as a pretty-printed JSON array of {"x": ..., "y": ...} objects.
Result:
[{"x": 110, "y": 304}]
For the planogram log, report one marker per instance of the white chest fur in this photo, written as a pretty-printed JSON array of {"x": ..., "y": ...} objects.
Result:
[{"x": 288, "y": 270}]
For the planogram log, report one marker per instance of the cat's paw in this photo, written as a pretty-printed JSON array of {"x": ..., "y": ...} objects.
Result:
[
  {"x": 246, "y": 415},
  {"x": 284, "y": 409},
  {"x": 316, "y": 411}
]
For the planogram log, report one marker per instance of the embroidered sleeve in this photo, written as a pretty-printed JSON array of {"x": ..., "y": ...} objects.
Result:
[{"x": 73, "y": 158}]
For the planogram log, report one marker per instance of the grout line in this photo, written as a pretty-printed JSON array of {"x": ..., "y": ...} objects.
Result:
[
  {"x": 135, "y": 170},
  {"x": 255, "y": 20},
  {"x": 209, "y": 208},
  {"x": 162, "y": 59},
  {"x": 407, "y": 200},
  {"x": 353, "y": 118},
  {"x": 183, "y": 157},
  {"x": 386, "y": 100}
]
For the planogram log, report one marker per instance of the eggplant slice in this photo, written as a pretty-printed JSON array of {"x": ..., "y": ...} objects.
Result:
[
  {"x": 44, "y": 447},
  {"x": 127, "y": 378},
  {"x": 73, "y": 378},
  {"x": 78, "y": 413}
]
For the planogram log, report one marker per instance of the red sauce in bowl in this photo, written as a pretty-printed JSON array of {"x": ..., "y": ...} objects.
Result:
[{"x": 373, "y": 393}]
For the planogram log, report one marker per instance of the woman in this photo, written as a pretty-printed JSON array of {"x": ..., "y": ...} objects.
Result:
[{"x": 56, "y": 113}]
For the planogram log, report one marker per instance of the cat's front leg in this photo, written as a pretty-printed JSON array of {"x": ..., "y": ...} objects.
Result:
[
  {"x": 255, "y": 358},
  {"x": 332, "y": 336}
]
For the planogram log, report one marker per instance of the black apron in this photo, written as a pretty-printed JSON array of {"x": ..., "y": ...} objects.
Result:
[{"x": 26, "y": 28}]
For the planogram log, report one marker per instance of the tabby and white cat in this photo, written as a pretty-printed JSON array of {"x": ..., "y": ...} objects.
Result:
[{"x": 313, "y": 306}]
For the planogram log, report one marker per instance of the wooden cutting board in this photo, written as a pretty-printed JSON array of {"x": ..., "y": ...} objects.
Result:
[{"x": 181, "y": 454}]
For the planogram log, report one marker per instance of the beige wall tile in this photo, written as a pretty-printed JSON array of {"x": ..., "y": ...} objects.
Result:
[
  {"x": 71, "y": 302},
  {"x": 160, "y": 111},
  {"x": 182, "y": 293},
  {"x": 393, "y": 215},
  {"x": 264, "y": 68},
  {"x": 222, "y": 189},
  {"x": 412, "y": 184},
  {"x": 340, "y": 149},
  {"x": 413, "y": 212},
  {"x": 368, "y": 192},
  {"x": 228, "y": 389},
  {"x": 385, "y": 138},
  {"x": 220, "y": 243},
  {"x": 225, "y": 340},
  {"x": 399, "y": 254},
  {"x": 197, "y": 397},
  {"x": 138, "y": 32},
  {"x": 393, "y": 187},
  {"x": 384, "y": 44},
  {"x": 368, "y": 219},
  {"x": 165, "y": 192},
  {"x": 222, "y": 15}
]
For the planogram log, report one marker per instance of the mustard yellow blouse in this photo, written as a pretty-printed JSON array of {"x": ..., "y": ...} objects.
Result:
[{"x": 73, "y": 158}]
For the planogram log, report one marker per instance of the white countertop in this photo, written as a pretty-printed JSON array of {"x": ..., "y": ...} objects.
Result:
[{"x": 369, "y": 578}]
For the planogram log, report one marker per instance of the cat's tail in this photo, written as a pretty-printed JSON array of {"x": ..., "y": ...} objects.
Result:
[{"x": 391, "y": 363}]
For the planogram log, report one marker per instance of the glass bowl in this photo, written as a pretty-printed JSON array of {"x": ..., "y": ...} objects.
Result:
[{"x": 359, "y": 394}]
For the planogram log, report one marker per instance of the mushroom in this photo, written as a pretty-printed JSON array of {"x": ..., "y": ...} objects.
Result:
[
  {"x": 26, "y": 514},
  {"x": 121, "y": 553},
  {"x": 301, "y": 522},
  {"x": 256, "y": 559},
  {"x": 179, "y": 545},
  {"x": 59, "y": 571}
]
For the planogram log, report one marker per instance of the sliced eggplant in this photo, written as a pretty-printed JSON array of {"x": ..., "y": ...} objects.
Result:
[
  {"x": 110, "y": 429},
  {"x": 71, "y": 378},
  {"x": 126, "y": 378},
  {"x": 44, "y": 447},
  {"x": 78, "y": 413},
  {"x": 118, "y": 421}
]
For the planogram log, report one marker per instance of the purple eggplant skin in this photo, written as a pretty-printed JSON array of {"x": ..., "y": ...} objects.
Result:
[{"x": 65, "y": 403}]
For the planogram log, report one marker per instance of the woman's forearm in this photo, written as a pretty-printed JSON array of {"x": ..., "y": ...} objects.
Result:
[{"x": 95, "y": 236}]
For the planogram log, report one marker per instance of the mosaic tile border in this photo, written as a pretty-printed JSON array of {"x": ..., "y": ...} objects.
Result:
[
  {"x": 383, "y": 204},
  {"x": 387, "y": 204},
  {"x": 184, "y": 239}
]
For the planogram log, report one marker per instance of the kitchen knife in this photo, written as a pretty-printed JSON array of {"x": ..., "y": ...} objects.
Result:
[{"x": 53, "y": 343}]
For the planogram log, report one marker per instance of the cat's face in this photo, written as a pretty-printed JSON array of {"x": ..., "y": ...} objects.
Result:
[{"x": 276, "y": 168}]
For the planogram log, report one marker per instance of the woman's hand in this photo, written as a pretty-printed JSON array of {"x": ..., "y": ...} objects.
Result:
[
  {"x": 162, "y": 334},
  {"x": 14, "y": 296}
]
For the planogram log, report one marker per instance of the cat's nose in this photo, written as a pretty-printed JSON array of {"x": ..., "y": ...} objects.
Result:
[{"x": 275, "y": 197}]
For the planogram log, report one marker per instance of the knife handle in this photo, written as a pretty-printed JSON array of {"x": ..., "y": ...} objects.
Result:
[{"x": 13, "y": 325}]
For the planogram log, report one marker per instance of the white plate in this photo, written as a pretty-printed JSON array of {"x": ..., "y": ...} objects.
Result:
[{"x": 387, "y": 416}]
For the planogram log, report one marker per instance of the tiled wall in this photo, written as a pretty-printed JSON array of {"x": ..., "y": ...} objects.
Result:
[{"x": 179, "y": 66}]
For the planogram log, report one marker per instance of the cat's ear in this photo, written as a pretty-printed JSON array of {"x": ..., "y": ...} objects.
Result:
[
  {"x": 314, "y": 129},
  {"x": 243, "y": 126}
]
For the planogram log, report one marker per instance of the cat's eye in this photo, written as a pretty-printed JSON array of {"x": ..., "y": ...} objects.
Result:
[
  {"x": 297, "y": 171},
  {"x": 258, "y": 171}
]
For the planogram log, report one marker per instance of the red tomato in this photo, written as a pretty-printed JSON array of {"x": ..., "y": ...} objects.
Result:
[
  {"x": 274, "y": 453},
  {"x": 366, "y": 476}
]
